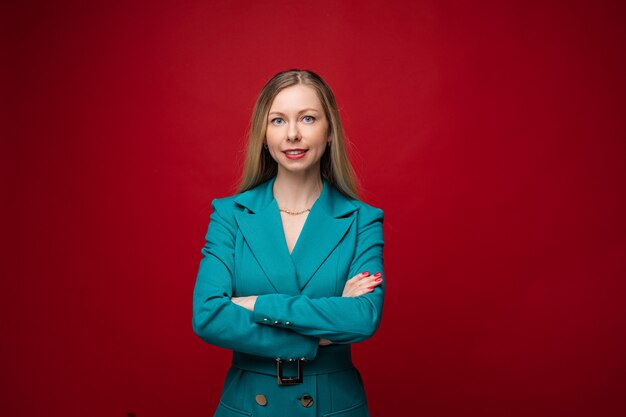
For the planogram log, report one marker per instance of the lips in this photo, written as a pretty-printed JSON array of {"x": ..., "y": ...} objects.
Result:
[{"x": 295, "y": 153}]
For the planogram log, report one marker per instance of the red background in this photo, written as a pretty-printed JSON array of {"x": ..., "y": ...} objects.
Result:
[{"x": 491, "y": 133}]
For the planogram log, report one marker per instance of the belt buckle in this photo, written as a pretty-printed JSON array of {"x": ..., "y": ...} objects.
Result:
[{"x": 289, "y": 380}]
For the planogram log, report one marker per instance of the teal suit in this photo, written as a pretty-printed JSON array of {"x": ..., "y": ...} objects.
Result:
[{"x": 299, "y": 301}]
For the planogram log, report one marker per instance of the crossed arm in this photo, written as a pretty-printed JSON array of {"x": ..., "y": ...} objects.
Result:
[
  {"x": 360, "y": 284},
  {"x": 280, "y": 325}
]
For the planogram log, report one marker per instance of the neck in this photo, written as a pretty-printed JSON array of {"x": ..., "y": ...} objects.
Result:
[{"x": 297, "y": 191}]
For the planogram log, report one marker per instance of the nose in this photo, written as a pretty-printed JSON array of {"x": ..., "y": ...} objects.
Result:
[{"x": 292, "y": 133}]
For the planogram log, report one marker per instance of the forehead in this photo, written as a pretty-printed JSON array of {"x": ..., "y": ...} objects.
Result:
[{"x": 296, "y": 97}]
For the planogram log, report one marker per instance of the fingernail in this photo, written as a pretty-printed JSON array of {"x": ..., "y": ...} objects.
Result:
[
  {"x": 365, "y": 273},
  {"x": 378, "y": 279},
  {"x": 371, "y": 288},
  {"x": 377, "y": 274}
]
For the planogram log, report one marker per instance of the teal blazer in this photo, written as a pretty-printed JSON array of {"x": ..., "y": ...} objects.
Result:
[{"x": 299, "y": 294}]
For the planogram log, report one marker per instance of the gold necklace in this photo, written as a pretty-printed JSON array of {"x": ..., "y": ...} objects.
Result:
[{"x": 294, "y": 213}]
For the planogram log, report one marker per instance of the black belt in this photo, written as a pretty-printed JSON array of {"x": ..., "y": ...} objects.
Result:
[{"x": 329, "y": 359}]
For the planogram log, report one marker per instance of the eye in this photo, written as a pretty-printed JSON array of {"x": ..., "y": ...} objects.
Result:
[
  {"x": 308, "y": 119},
  {"x": 277, "y": 121}
]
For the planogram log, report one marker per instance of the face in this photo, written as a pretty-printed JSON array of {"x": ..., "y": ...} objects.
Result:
[{"x": 296, "y": 133}]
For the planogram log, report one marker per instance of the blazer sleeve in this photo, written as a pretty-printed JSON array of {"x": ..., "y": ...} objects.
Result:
[
  {"x": 338, "y": 319},
  {"x": 219, "y": 321}
]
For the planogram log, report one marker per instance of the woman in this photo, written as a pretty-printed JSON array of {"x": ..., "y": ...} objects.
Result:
[{"x": 292, "y": 271}]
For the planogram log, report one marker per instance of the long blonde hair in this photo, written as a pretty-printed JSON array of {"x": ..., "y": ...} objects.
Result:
[{"x": 335, "y": 167}]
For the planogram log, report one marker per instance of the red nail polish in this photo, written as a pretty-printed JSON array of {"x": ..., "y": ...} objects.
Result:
[
  {"x": 365, "y": 273},
  {"x": 371, "y": 288},
  {"x": 378, "y": 279},
  {"x": 377, "y": 274}
]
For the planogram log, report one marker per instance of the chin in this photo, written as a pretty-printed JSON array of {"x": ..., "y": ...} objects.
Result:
[{"x": 299, "y": 169}]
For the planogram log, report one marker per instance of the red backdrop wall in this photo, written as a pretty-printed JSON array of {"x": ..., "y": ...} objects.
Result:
[{"x": 492, "y": 134}]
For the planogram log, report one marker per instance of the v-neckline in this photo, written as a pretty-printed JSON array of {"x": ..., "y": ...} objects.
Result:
[
  {"x": 302, "y": 231},
  {"x": 304, "y": 226},
  {"x": 299, "y": 234}
]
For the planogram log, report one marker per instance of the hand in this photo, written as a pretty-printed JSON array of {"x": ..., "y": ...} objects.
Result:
[
  {"x": 245, "y": 302},
  {"x": 362, "y": 283}
]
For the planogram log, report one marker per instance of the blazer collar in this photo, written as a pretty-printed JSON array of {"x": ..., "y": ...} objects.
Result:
[
  {"x": 330, "y": 200},
  {"x": 262, "y": 228}
]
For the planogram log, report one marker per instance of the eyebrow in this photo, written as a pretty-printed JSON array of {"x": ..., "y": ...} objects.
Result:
[{"x": 300, "y": 112}]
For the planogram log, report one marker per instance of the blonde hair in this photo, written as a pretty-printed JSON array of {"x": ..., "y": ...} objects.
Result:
[{"x": 335, "y": 167}]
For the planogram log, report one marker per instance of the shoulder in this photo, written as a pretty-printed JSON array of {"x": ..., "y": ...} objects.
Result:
[
  {"x": 252, "y": 199},
  {"x": 223, "y": 212},
  {"x": 367, "y": 214},
  {"x": 340, "y": 205},
  {"x": 224, "y": 204},
  {"x": 369, "y": 223}
]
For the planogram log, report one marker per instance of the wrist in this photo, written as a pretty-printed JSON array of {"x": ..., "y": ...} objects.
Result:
[{"x": 252, "y": 302}]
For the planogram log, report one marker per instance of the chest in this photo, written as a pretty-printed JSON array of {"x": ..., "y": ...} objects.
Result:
[
  {"x": 292, "y": 255},
  {"x": 292, "y": 227}
]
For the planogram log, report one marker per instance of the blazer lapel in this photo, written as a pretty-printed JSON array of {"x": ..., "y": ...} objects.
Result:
[
  {"x": 262, "y": 229},
  {"x": 327, "y": 223}
]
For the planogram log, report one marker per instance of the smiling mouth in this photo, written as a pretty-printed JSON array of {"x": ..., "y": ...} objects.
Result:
[{"x": 295, "y": 152}]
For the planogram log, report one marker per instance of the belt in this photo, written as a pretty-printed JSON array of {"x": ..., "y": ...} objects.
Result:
[{"x": 329, "y": 359}]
